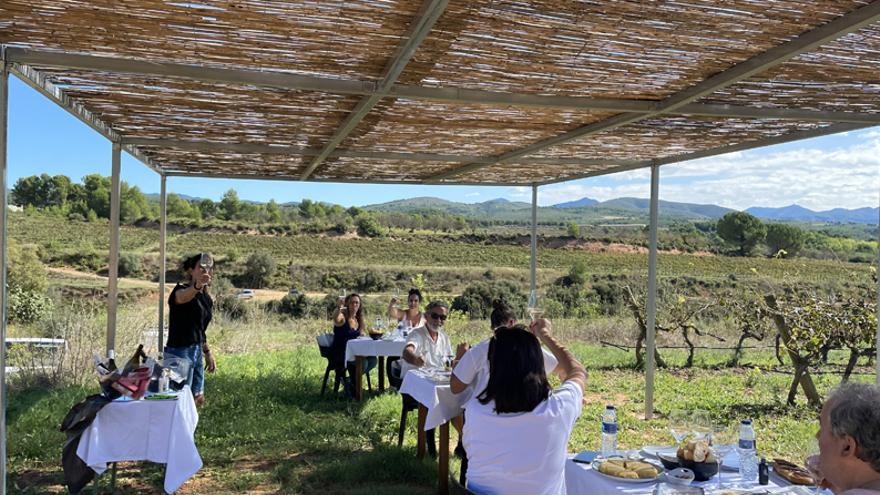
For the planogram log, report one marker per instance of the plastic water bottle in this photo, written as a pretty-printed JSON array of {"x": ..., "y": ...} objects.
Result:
[
  {"x": 609, "y": 431},
  {"x": 748, "y": 456}
]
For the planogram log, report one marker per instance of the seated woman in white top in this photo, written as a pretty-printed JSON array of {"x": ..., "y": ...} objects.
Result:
[{"x": 517, "y": 429}]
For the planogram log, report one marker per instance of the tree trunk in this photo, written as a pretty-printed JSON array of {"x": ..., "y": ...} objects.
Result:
[
  {"x": 799, "y": 362},
  {"x": 690, "y": 359},
  {"x": 854, "y": 355}
]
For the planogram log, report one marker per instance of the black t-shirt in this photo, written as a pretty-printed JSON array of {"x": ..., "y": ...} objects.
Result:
[{"x": 187, "y": 322}]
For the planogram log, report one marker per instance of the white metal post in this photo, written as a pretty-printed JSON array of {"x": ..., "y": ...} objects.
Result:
[
  {"x": 533, "y": 267},
  {"x": 4, "y": 98},
  {"x": 652, "y": 293},
  {"x": 113, "y": 282},
  {"x": 163, "y": 204}
]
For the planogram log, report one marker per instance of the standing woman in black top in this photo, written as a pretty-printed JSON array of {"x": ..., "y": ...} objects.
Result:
[{"x": 191, "y": 310}]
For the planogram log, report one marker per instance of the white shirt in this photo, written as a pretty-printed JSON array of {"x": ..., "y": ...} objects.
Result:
[
  {"x": 433, "y": 352},
  {"x": 473, "y": 368},
  {"x": 521, "y": 453}
]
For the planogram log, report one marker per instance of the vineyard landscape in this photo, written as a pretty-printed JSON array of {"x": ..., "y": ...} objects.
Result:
[{"x": 740, "y": 324}]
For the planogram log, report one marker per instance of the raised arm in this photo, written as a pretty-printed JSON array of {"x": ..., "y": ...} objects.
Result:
[
  {"x": 393, "y": 312},
  {"x": 339, "y": 315},
  {"x": 570, "y": 369}
]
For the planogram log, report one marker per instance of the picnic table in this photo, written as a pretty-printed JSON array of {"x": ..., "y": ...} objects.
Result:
[
  {"x": 359, "y": 349},
  {"x": 437, "y": 407}
]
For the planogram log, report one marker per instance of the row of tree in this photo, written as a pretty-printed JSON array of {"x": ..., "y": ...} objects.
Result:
[
  {"x": 91, "y": 200},
  {"x": 745, "y": 232}
]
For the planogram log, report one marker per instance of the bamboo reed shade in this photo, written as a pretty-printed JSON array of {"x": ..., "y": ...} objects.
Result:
[{"x": 621, "y": 49}]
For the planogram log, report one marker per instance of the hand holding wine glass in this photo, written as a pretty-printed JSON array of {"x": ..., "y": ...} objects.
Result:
[{"x": 534, "y": 311}]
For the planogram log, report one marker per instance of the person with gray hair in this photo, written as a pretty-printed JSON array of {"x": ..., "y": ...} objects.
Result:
[{"x": 849, "y": 440}]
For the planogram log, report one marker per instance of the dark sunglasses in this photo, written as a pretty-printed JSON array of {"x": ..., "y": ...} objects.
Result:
[{"x": 438, "y": 317}]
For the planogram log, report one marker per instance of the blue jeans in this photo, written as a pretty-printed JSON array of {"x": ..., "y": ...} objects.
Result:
[{"x": 196, "y": 378}]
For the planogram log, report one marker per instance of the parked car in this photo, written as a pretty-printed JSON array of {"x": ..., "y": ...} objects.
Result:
[
  {"x": 245, "y": 294},
  {"x": 293, "y": 291}
]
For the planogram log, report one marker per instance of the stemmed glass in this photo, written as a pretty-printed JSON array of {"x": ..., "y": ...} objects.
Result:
[
  {"x": 679, "y": 425},
  {"x": 723, "y": 438},
  {"x": 206, "y": 261},
  {"x": 701, "y": 424},
  {"x": 812, "y": 465},
  {"x": 447, "y": 362},
  {"x": 534, "y": 311}
]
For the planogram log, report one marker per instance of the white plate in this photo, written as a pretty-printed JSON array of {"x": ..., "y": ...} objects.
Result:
[
  {"x": 598, "y": 463},
  {"x": 653, "y": 450}
]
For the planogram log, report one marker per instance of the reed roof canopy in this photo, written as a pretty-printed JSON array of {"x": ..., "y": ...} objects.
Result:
[{"x": 490, "y": 92}]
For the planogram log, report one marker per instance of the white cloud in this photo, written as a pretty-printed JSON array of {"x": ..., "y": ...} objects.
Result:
[{"x": 816, "y": 178}]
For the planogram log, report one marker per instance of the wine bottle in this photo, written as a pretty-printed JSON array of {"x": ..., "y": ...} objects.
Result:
[{"x": 136, "y": 360}]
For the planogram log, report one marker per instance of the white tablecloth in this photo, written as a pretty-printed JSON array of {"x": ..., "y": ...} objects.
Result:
[
  {"x": 366, "y": 346},
  {"x": 145, "y": 430},
  {"x": 581, "y": 478},
  {"x": 442, "y": 404}
]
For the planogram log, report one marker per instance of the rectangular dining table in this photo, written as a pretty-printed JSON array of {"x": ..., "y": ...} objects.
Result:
[
  {"x": 582, "y": 478},
  {"x": 359, "y": 349},
  {"x": 437, "y": 407}
]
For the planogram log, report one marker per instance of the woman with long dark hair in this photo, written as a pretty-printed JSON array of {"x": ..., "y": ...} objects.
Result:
[
  {"x": 190, "y": 311},
  {"x": 517, "y": 428},
  {"x": 412, "y": 316},
  {"x": 348, "y": 324}
]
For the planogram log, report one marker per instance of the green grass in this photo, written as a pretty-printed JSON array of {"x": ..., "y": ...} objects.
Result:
[{"x": 266, "y": 428}]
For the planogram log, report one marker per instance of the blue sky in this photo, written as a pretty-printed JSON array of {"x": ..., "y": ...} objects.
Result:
[{"x": 823, "y": 173}]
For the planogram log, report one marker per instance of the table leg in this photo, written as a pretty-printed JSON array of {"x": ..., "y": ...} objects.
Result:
[
  {"x": 358, "y": 378},
  {"x": 381, "y": 373},
  {"x": 443, "y": 485},
  {"x": 422, "y": 442}
]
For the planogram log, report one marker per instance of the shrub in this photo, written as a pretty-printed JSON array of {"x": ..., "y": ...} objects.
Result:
[
  {"x": 259, "y": 268},
  {"x": 233, "y": 308},
  {"x": 129, "y": 264},
  {"x": 26, "y": 306},
  {"x": 476, "y": 300},
  {"x": 296, "y": 306},
  {"x": 369, "y": 227}
]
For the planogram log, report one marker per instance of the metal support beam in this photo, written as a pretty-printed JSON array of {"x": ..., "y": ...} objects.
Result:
[
  {"x": 409, "y": 92},
  {"x": 721, "y": 150},
  {"x": 36, "y": 81},
  {"x": 4, "y": 122},
  {"x": 533, "y": 266},
  {"x": 163, "y": 224},
  {"x": 112, "y": 281},
  {"x": 420, "y": 27},
  {"x": 805, "y": 42},
  {"x": 651, "y": 305},
  {"x": 287, "y": 178},
  {"x": 269, "y": 149}
]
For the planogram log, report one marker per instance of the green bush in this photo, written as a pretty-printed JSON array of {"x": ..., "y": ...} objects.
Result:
[
  {"x": 129, "y": 265},
  {"x": 27, "y": 306},
  {"x": 259, "y": 268},
  {"x": 369, "y": 227},
  {"x": 476, "y": 300},
  {"x": 234, "y": 308}
]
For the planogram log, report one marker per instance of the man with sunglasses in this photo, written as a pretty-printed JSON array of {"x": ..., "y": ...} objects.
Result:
[{"x": 428, "y": 345}]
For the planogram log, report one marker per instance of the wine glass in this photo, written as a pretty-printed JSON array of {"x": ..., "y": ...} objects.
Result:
[
  {"x": 812, "y": 464},
  {"x": 447, "y": 362},
  {"x": 723, "y": 439},
  {"x": 534, "y": 311},
  {"x": 701, "y": 424},
  {"x": 679, "y": 425},
  {"x": 206, "y": 262}
]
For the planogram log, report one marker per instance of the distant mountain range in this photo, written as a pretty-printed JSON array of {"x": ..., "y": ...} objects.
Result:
[{"x": 616, "y": 210}]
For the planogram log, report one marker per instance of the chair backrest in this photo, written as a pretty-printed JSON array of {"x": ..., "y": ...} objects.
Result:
[
  {"x": 325, "y": 340},
  {"x": 324, "y": 343},
  {"x": 395, "y": 373}
]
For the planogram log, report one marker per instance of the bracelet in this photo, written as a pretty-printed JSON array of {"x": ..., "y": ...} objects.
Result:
[{"x": 197, "y": 287}]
